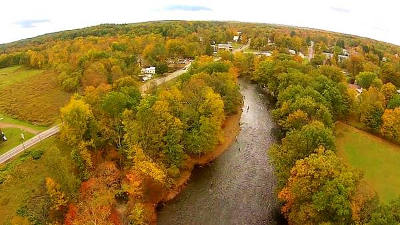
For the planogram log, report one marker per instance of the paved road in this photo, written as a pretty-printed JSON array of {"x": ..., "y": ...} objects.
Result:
[
  {"x": 54, "y": 130},
  {"x": 29, "y": 143},
  {"x": 156, "y": 82},
  {"x": 244, "y": 47}
]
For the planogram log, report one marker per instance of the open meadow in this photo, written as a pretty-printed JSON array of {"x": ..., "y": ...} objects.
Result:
[
  {"x": 377, "y": 158},
  {"x": 31, "y": 95}
]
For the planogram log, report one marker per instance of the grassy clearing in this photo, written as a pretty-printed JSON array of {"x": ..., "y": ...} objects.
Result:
[
  {"x": 376, "y": 157},
  {"x": 22, "y": 185},
  {"x": 8, "y": 119},
  {"x": 36, "y": 99},
  {"x": 15, "y": 74},
  {"x": 14, "y": 138}
]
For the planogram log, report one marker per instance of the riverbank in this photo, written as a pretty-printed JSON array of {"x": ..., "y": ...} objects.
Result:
[
  {"x": 230, "y": 130},
  {"x": 238, "y": 186}
]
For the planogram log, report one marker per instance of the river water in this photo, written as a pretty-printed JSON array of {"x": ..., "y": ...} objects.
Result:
[{"x": 238, "y": 187}]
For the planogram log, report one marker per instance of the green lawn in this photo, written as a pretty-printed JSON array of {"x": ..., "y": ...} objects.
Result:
[
  {"x": 22, "y": 188},
  {"x": 14, "y": 138},
  {"x": 14, "y": 74},
  {"x": 376, "y": 157}
]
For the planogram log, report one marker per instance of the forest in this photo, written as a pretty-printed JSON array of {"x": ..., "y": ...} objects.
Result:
[{"x": 126, "y": 150}]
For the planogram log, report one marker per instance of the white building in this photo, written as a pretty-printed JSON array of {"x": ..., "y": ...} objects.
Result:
[
  {"x": 292, "y": 52},
  {"x": 149, "y": 70},
  {"x": 236, "y": 38},
  {"x": 302, "y": 55},
  {"x": 227, "y": 47},
  {"x": 356, "y": 87},
  {"x": 328, "y": 55},
  {"x": 268, "y": 54},
  {"x": 341, "y": 58}
]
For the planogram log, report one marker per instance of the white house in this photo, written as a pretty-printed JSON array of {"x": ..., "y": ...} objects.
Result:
[
  {"x": 149, "y": 70},
  {"x": 345, "y": 52},
  {"x": 227, "y": 47},
  {"x": 328, "y": 55},
  {"x": 302, "y": 55},
  {"x": 292, "y": 52},
  {"x": 268, "y": 54},
  {"x": 357, "y": 88},
  {"x": 236, "y": 38}
]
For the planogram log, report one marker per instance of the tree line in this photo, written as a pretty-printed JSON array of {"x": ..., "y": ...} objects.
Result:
[
  {"x": 314, "y": 185},
  {"x": 127, "y": 146}
]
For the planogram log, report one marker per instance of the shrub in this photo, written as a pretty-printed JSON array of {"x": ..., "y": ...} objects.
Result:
[{"x": 37, "y": 154}]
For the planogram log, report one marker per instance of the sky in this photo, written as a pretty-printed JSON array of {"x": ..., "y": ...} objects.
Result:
[{"x": 379, "y": 20}]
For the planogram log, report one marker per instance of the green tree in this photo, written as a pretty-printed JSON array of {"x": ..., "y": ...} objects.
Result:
[
  {"x": 156, "y": 130},
  {"x": 394, "y": 102},
  {"x": 319, "y": 190},
  {"x": 332, "y": 72},
  {"x": 299, "y": 144},
  {"x": 371, "y": 108},
  {"x": 366, "y": 79},
  {"x": 202, "y": 116}
]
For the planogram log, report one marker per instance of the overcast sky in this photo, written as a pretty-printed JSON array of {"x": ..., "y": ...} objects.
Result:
[{"x": 369, "y": 18}]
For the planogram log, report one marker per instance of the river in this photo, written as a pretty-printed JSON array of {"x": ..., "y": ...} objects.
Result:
[{"x": 238, "y": 187}]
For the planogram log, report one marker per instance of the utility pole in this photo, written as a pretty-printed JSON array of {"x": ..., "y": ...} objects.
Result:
[{"x": 23, "y": 139}]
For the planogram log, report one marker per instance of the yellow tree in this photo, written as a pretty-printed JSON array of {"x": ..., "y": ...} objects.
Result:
[
  {"x": 320, "y": 190},
  {"x": 388, "y": 90},
  {"x": 391, "y": 124},
  {"x": 77, "y": 119},
  {"x": 57, "y": 197}
]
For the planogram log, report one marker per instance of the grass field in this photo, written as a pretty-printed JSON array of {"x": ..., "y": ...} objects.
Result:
[
  {"x": 376, "y": 157},
  {"x": 14, "y": 138},
  {"x": 15, "y": 74},
  {"x": 36, "y": 99},
  {"x": 23, "y": 194}
]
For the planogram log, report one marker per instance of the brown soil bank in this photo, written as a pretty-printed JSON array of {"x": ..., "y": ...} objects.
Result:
[{"x": 231, "y": 128}]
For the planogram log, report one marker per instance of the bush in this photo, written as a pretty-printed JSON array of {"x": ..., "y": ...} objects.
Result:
[
  {"x": 37, "y": 154},
  {"x": 173, "y": 171}
]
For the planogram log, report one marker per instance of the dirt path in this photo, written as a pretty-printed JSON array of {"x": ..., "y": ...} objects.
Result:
[{"x": 27, "y": 129}]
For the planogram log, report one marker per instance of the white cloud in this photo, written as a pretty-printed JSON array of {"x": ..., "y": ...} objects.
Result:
[{"x": 374, "y": 19}]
